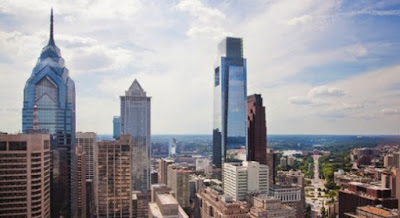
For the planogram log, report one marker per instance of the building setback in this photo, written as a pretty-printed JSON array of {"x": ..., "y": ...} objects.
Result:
[
  {"x": 49, "y": 105},
  {"x": 257, "y": 130},
  {"x": 113, "y": 193},
  {"x": 25, "y": 175},
  {"x": 230, "y": 103},
  {"x": 135, "y": 121}
]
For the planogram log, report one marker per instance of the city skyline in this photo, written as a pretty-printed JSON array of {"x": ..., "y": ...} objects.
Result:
[{"x": 322, "y": 67}]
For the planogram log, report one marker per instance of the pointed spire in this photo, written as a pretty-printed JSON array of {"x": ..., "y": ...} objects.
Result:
[{"x": 51, "y": 40}]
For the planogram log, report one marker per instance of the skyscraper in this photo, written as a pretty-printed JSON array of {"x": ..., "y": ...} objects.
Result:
[
  {"x": 257, "y": 130},
  {"x": 113, "y": 191},
  {"x": 80, "y": 155},
  {"x": 135, "y": 121},
  {"x": 230, "y": 102},
  {"x": 49, "y": 104},
  {"x": 88, "y": 142},
  {"x": 116, "y": 127}
]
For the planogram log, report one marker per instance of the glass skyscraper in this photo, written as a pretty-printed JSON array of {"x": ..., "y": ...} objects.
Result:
[
  {"x": 135, "y": 121},
  {"x": 116, "y": 127},
  {"x": 230, "y": 103},
  {"x": 49, "y": 105}
]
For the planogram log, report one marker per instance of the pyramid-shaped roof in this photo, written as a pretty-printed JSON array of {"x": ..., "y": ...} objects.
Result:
[{"x": 135, "y": 90}]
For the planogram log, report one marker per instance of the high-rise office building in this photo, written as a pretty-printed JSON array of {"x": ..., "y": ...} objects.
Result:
[
  {"x": 135, "y": 121},
  {"x": 25, "y": 175},
  {"x": 271, "y": 163},
  {"x": 230, "y": 102},
  {"x": 49, "y": 104},
  {"x": 257, "y": 130},
  {"x": 178, "y": 181},
  {"x": 113, "y": 191},
  {"x": 116, "y": 127},
  {"x": 80, "y": 155},
  {"x": 87, "y": 140},
  {"x": 163, "y": 170},
  {"x": 239, "y": 178}
]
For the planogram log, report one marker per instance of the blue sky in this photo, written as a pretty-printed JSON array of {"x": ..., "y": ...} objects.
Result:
[{"x": 322, "y": 66}]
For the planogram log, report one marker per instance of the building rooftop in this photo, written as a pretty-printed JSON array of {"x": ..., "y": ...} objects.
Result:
[
  {"x": 378, "y": 211},
  {"x": 167, "y": 199}
]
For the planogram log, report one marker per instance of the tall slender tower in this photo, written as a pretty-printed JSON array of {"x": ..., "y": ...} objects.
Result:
[
  {"x": 257, "y": 130},
  {"x": 49, "y": 105},
  {"x": 230, "y": 103},
  {"x": 135, "y": 121}
]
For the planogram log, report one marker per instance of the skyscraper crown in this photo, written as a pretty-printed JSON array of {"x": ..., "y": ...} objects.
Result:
[{"x": 135, "y": 90}]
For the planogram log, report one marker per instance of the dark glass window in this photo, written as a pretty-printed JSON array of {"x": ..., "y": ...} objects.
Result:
[
  {"x": 17, "y": 146},
  {"x": 3, "y": 146}
]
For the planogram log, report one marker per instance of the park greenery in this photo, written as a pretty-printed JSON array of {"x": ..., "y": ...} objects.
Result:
[{"x": 330, "y": 164}]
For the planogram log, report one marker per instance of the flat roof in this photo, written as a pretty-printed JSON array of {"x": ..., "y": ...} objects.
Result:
[{"x": 377, "y": 211}]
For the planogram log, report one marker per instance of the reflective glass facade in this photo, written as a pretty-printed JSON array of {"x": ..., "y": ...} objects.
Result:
[
  {"x": 49, "y": 104},
  {"x": 116, "y": 127},
  {"x": 135, "y": 121},
  {"x": 230, "y": 103}
]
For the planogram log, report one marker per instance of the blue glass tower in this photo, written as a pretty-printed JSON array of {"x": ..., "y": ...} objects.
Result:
[
  {"x": 230, "y": 103},
  {"x": 49, "y": 105},
  {"x": 116, "y": 127}
]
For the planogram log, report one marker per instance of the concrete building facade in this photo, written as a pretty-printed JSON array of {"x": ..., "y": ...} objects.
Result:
[
  {"x": 25, "y": 175},
  {"x": 178, "y": 181},
  {"x": 113, "y": 193},
  {"x": 163, "y": 204},
  {"x": 213, "y": 204},
  {"x": 240, "y": 178}
]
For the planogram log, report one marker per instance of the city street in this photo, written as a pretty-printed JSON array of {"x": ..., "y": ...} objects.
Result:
[{"x": 316, "y": 201}]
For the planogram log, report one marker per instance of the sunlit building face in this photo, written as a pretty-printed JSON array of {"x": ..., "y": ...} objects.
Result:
[{"x": 230, "y": 103}]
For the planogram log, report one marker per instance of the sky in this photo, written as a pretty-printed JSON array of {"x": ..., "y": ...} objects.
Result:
[{"x": 321, "y": 66}]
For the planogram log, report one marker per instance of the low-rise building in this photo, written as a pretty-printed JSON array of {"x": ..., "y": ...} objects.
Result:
[
  {"x": 140, "y": 204},
  {"x": 359, "y": 194},
  {"x": 291, "y": 195},
  {"x": 163, "y": 204},
  {"x": 372, "y": 212},
  {"x": 267, "y": 206},
  {"x": 212, "y": 204}
]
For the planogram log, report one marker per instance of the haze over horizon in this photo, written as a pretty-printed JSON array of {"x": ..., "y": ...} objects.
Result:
[{"x": 322, "y": 67}]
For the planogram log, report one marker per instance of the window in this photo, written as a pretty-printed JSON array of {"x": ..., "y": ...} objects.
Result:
[
  {"x": 17, "y": 146},
  {"x": 3, "y": 146}
]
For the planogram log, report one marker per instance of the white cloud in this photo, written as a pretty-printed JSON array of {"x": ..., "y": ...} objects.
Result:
[
  {"x": 300, "y": 20},
  {"x": 391, "y": 111},
  {"x": 170, "y": 48},
  {"x": 325, "y": 91},
  {"x": 299, "y": 100},
  {"x": 198, "y": 10}
]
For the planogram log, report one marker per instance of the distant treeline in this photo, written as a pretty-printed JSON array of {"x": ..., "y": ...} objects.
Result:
[{"x": 333, "y": 143}]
